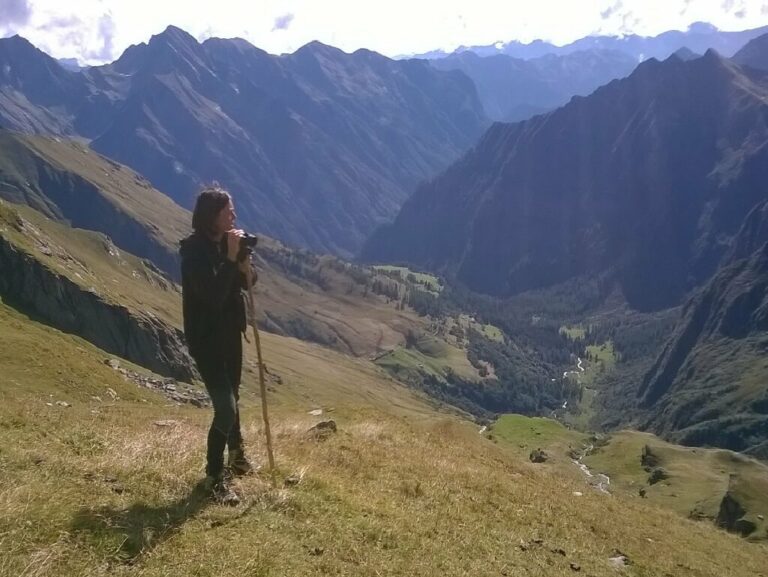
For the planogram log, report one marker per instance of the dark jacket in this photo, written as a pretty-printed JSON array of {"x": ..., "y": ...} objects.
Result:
[{"x": 214, "y": 309}]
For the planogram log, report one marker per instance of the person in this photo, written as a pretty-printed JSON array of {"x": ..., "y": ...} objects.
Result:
[{"x": 214, "y": 320}]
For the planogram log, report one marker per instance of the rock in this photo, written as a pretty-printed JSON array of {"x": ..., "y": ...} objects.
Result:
[
  {"x": 323, "y": 430},
  {"x": 538, "y": 456},
  {"x": 643, "y": 492},
  {"x": 558, "y": 551},
  {"x": 166, "y": 423},
  {"x": 38, "y": 460},
  {"x": 112, "y": 394},
  {"x": 761, "y": 517},
  {"x": 575, "y": 567},
  {"x": 315, "y": 412},
  {"x": 96, "y": 399},
  {"x": 658, "y": 474},
  {"x": 119, "y": 489},
  {"x": 619, "y": 561},
  {"x": 316, "y": 551},
  {"x": 114, "y": 363},
  {"x": 292, "y": 480},
  {"x": 578, "y": 494},
  {"x": 64, "y": 404}
]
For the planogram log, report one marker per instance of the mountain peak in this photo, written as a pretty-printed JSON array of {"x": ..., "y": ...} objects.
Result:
[
  {"x": 317, "y": 47},
  {"x": 174, "y": 36},
  {"x": 685, "y": 54}
]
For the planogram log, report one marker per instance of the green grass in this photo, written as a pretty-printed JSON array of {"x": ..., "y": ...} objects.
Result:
[
  {"x": 533, "y": 432},
  {"x": 698, "y": 478},
  {"x": 430, "y": 356},
  {"x": 575, "y": 333},
  {"x": 91, "y": 261},
  {"x": 603, "y": 353},
  {"x": 424, "y": 281}
]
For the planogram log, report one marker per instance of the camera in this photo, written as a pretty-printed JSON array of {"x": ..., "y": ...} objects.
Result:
[
  {"x": 247, "y": 244},
  {"x": 248, "y": 241}
]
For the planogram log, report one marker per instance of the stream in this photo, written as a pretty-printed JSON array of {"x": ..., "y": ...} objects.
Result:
[{"x": 600, "y": 481}]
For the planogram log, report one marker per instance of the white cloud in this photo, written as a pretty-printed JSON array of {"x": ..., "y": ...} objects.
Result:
[{"x": 98, "y": 30}]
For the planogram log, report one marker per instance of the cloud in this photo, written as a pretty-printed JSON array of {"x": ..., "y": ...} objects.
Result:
[
  {"x": 728, "y": 5},
  {"x": 283, "y": 22},
  {"x": 15, "y": 12},
  {"x": 764, "y": 10},
  {"x": 740, "y": 13},
  {"x": 106, "y": 38},
  {"x": 611, "y": 10},
  {"x": 61, "y": 22}
]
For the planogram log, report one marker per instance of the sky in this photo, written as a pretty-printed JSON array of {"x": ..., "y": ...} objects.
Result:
[{"x": 97, "y": 31}]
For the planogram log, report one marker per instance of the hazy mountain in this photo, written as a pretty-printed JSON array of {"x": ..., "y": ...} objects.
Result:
[
  {"x": 646, "y": 180},
  {"x": 754, "y": 54},
  {"x": 318, "y": 147},
  {"x": 699, "y": 38},
  {"x": 513, "y": 89}
]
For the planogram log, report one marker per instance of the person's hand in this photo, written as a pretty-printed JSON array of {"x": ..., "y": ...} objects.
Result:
[{"x": 233, "y": 243}]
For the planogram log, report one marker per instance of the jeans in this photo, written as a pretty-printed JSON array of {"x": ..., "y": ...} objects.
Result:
[{"x": 221, "y": 375}]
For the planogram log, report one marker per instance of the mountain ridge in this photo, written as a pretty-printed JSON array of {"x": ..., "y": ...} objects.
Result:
[
  {"x": 556, "y": 192},
  {"x": 337, "y": 141}
]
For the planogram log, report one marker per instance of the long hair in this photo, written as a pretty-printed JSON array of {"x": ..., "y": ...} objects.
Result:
[{"x": 211, "y": 200}]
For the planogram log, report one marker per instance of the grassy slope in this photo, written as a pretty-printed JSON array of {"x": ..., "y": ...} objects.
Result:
[
  {"x": 98, "y": 489},
  {"x": 353, "y": 322},
  {"x": 126, "y": 189},
  {"x": 342, "y": 314},
  {"x": 698, "y": 478},
  {"x": 90, "y": 260}
]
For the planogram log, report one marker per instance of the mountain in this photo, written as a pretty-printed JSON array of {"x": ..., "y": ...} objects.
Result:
[
  {"x": 646, "y": 181},
  {"x": 754, "y": 54},
  {"x": 37, "y": 94},
  {"x": 318, "y": 147},
  {"x": 68, "y": 182},
  {"x": 513, "y": 89},
  {"x": 708, "y": 384},
  {"x": 699, "y": 37}
]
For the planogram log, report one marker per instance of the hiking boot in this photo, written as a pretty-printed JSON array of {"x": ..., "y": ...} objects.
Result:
[
  {"x": 239, "y": 465},
  {"x": 221, "y": 491}
]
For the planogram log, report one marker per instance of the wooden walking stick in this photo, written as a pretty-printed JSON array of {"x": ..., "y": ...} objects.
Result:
[{"x": 262, "y": 384}]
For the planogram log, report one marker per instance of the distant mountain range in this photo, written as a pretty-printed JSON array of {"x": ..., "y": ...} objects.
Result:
[
  {"x": 513, "y": 89},
  {"x": 517, "y": 81},
  {"x": 699, "y": 38},
  {"x": 319, "y": 147}
]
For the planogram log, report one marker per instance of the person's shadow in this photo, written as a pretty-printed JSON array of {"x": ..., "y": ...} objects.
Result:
[{"x": 140, "y": 527}]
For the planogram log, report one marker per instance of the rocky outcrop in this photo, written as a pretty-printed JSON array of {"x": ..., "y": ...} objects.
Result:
[{"x": 140, "y": 337}]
